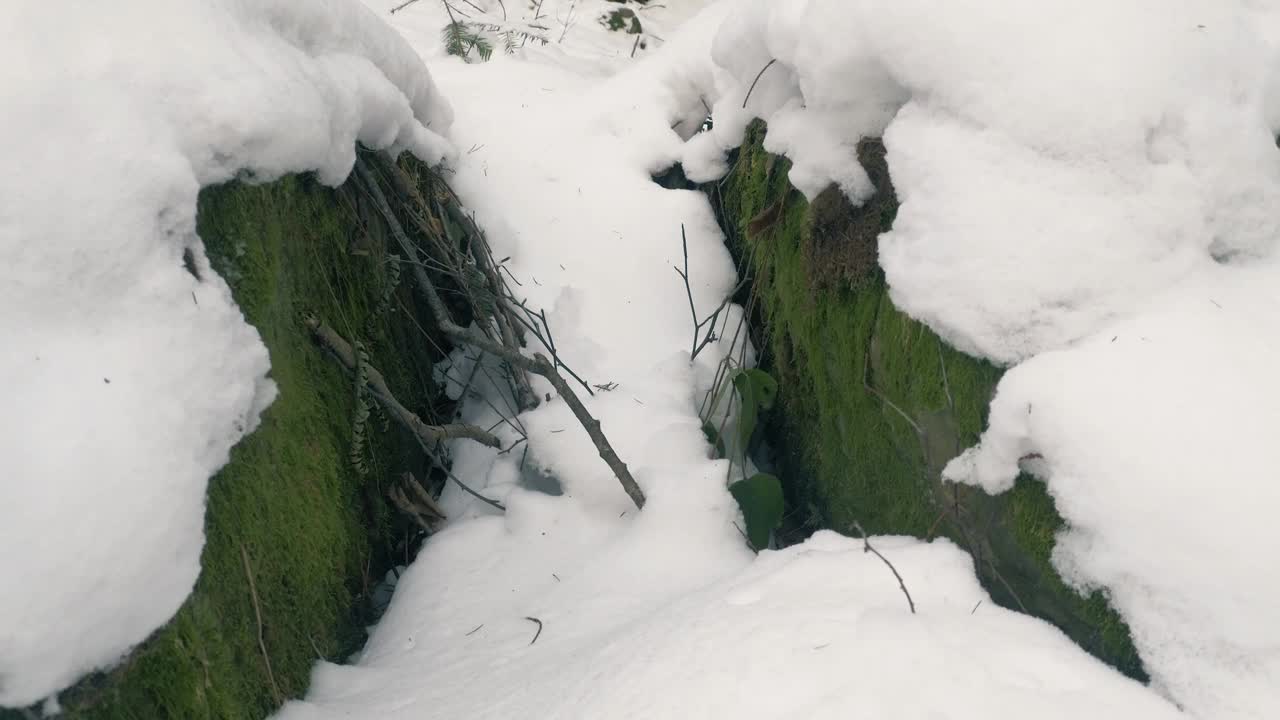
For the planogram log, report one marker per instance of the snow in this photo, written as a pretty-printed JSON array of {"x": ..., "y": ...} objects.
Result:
[
  {"x": 576, "y": 605},
  {"x": 1156, "y": 439},
  {"x": 1090, "y": 192},
  {"x": 819, "y": 630},
  {"x": 1093, "y": 189},
  {"x": 1153, "y": 122},
  {"x": 127, "y": 380}
]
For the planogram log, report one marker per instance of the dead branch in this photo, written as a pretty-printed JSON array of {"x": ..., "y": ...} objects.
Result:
[
  {"x": 539, "y": 632},
  {"x": 435, "y": 459},
  {"x": 414, "y": 501},
  {"x": 257, "y": 611},
  {"x": 438, "y": 232},
  {"x": 402, "y": 6},
  {"x": 538, "y": 364},
  {"x": 866, "y": 547},
  {"x": 427, "y": 434}
]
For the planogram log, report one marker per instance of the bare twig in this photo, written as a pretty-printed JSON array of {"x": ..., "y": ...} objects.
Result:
[
  {"x": 257, "y": 611},
  {"x": 710, "y": 321},
  {"x": 866, "y": 384},
  {"x": 402, "y": 6},
  {"x": 416, "y": 502},
  {"x": 753, "y": 82},
  {"x": 946, "y": 385},
  {"x": 567, "y": 22},
  {"x": 539, "y": 632},
  {"x": 538, "y": 364},
  {"x": 866, "y": 547},
  {"x": 524, "y": 395},
  {"x": 319, "y": 655},
  {"x": 466, "y": 488},
  {"x": 429, "y": 434}
]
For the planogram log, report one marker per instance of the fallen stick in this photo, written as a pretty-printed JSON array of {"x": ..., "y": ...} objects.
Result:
[
  {"x": 866, "y": 547},
  {"x": 428, "y": 434},
  {"x": 538, "y": 364},
  {"x": 257, "y": 611}
]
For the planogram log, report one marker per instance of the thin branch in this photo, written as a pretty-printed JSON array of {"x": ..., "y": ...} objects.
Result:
[
  {"x": 467, "y": 488},
  {"x": 402, "y": 6},
  {"x": 688, "y": 291},
  {"x": 753, "y": 82},
  {"x": 539, "y": 632},
  {"x": 866, "y": 547},
  {"x": 257, "y": 611},
  {"x": 866, "y": 384},
  {"x": 538, "y": 364},
  {"x": 946, "y": 384},
  {"x": 429, "y": 434}
]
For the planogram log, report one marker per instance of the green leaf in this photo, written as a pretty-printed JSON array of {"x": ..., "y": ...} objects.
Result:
[
  {"x": 758, "y": 391},
  {"x": 760, "y": 498},
  {"x": 712, "y": 433}
]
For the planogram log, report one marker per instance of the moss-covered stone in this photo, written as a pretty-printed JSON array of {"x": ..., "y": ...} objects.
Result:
[
  {"x": 318, "y": 536},
  {"x": 873, "y": 404}
]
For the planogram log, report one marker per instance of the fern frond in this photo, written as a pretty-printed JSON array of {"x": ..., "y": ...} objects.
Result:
[
  {"x": 360, "y": 417},
  {"x": 483, "y": 48},
  {"x": 461, "y": 38},
  {"x": 454, "y": 36},
  {"x": 389, "y": 285}
]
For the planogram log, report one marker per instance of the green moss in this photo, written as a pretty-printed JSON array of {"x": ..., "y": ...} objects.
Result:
[
  {"x": 622, "y": 18},
  {"x": 873, "y": 404},
  {"x": 314, "y": 532}
]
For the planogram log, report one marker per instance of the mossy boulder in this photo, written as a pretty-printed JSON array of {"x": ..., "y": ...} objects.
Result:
[
  {"x": 872, "y": 404},
  {"x": 318, "y": 535}
]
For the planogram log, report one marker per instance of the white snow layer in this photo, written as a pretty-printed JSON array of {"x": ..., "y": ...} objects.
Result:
[
  {"x": 1071, "y": 172},
  {"x": 127, "y": 379},
  {"x": 1057, "y": 162},
  {"x": 1157, "y": 437},
  {"x": 1094, "y": 186},
  {"x": 819, "y": 630},
  {"x": 577, "y": 606}
]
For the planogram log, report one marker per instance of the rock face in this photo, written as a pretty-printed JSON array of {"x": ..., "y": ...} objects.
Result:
[
  {"x": 315, "y": 533},
  {"x": 873, "y": 404}
]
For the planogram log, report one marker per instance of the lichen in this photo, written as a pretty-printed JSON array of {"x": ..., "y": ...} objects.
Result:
[{"x": 872, "y": 403}]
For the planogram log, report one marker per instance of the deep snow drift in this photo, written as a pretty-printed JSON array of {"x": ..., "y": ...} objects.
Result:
[{"x": 127, "y": 379}]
